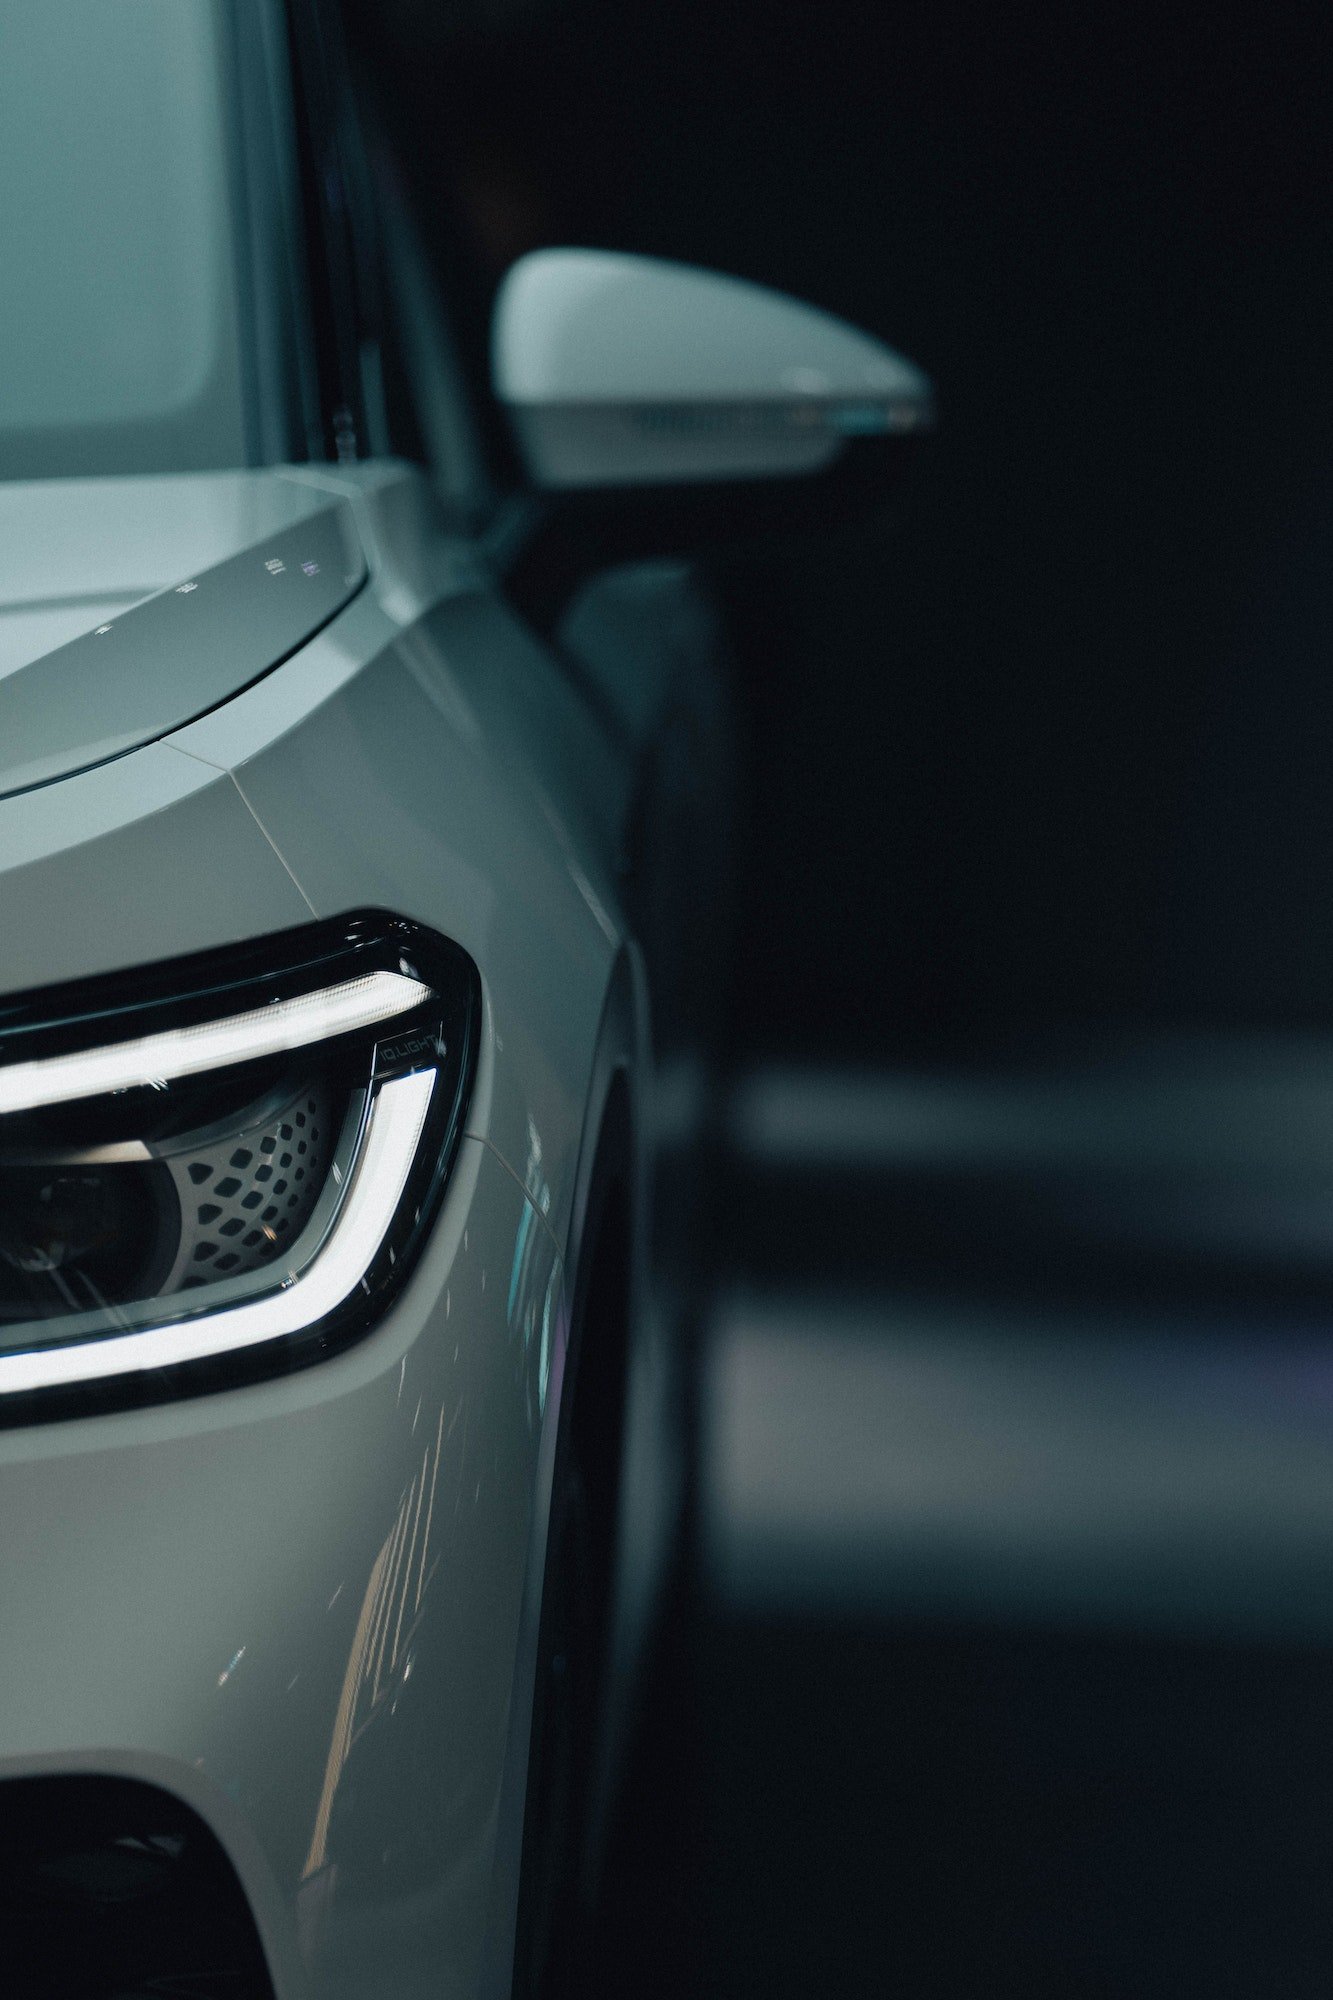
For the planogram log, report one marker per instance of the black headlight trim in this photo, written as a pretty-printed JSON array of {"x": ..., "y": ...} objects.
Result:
[{"x": 440, "y": 1035}]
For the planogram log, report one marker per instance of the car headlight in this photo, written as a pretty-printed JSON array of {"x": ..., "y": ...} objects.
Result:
[{"x": 224, "y": 1164}]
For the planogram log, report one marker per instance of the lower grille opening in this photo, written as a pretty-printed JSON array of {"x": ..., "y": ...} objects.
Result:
[{"x": 114, "y": 1890}]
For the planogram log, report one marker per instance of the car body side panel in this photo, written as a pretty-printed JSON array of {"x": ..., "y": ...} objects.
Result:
[
  {"x": 306, "y": 1597},
  {"x": 424, "y": 754},
  {"x": 148, "y": 857},
  {"x": 241, "y": 1558}
]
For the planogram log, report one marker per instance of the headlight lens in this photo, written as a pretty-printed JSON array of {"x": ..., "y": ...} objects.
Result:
[{"x": 235, "y": 1155}]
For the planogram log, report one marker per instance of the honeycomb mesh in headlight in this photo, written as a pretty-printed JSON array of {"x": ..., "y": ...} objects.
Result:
[
  {"x": 246, "y": 1190},
  {"x": 229, "y": 1153}
]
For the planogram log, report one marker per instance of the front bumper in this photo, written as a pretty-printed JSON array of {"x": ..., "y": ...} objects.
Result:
[{"x": 300, "y": 1607}]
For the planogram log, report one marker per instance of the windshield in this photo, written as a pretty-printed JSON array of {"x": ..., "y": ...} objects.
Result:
[{"x": 119, "y": 347}]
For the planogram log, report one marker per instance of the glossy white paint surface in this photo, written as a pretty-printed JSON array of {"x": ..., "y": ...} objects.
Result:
[
  {"x": 308, "y": 1607},
  {"x": 596, "y": 326},
  {"x": 81, "y": 550},
  {"x": 297, "y": 1607},
  {"x": 618, "y": 370},
  {"x": 493, "y": 814},
  {"x": 93, "y": 878}
]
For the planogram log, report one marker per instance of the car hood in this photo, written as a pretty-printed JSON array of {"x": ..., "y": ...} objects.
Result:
[{"x": 130, "y": 606}]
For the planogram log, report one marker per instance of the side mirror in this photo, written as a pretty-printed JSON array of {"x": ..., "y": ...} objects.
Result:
[{"x": 619, "y": 372}]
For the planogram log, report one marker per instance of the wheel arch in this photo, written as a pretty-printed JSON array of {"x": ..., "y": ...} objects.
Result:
[{"x": 614, "y": 1143}]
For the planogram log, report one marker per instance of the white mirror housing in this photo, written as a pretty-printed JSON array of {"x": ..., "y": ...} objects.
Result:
[{"x": 622, "y": 371}]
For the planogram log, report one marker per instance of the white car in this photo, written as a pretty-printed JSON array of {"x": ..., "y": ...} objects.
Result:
[{"x": 345, "y": 932}]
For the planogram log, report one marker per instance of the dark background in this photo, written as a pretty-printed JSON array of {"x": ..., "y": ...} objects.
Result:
[
  {"x": 1044, "y": 744},
  {"x": 1035, "y": 745}
]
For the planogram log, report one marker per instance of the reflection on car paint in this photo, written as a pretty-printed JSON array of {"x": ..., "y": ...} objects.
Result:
[{"x": 367, "y": 1835}]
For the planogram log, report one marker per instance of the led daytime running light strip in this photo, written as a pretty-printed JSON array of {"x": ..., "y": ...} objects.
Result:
[
  {"x": 391, "y": 1142},
  {"x": 181, "y": 1052}
]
